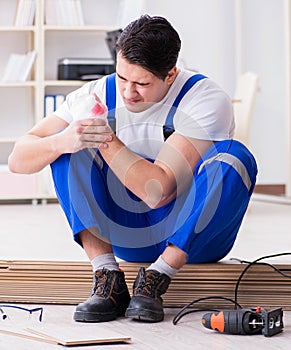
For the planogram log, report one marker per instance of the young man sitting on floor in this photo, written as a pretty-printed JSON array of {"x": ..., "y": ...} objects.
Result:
[{"x": 167, "y": 185}]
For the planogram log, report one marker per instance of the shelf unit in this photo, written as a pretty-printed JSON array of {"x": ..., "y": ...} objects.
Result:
[{"x": 51, "y": 43}]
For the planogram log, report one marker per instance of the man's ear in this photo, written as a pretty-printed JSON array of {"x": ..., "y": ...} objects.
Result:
[{"x": 172, "y": 75}]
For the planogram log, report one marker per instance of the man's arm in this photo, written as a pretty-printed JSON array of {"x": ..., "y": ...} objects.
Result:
[
  {"x": 50, "y": 138},
  {"x": 160, "y": 182},
  {"x": 38, "y": 148}
]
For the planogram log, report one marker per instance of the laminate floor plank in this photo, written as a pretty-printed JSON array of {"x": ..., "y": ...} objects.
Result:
[{"x": 189, "y": 333}]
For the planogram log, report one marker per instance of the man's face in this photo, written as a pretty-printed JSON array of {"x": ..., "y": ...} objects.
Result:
[{"x": 140, "y": 88}]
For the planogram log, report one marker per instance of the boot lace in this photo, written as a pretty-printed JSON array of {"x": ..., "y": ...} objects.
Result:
[
  {"x": 100, "y": 279},
  {"x": 147, "y": 284}
]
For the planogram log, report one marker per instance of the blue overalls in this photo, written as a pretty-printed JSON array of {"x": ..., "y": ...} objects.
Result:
[{"x": 203, "y": 221}]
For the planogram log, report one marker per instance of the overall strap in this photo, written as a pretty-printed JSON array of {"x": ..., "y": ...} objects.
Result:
[
  {"x": 111, "y": 99},
  {"x": 168, "y": 127}
]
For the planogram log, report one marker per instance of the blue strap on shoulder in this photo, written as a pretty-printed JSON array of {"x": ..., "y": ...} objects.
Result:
[
  {"x": 168, "y": 127},
  {"x": 111, "y": 99}
]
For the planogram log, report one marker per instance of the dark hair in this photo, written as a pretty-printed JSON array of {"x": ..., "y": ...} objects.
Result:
[{"x": 152, "y": 43}]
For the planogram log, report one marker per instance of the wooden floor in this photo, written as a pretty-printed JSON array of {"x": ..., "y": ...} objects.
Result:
[
  {"x": 41, "y": 233},
  {"x": 187, "y": 334}
]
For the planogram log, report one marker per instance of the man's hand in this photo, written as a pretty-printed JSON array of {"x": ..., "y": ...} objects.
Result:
[
  {"x": 44, "y": 143},
  {"x": 86, "y": 133}
]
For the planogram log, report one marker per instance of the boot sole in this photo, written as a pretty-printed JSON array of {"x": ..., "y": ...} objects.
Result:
[
  {"x": 144, "y": 315},
  {"x": 81, "y": 316}
]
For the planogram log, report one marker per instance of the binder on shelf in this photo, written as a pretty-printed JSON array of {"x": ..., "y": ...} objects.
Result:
[
  {"x": 25, "y": 13},
  {"x": 49, "y": 104},
  {"x": 59, "y": 99},
  {"x": 52, "y": 102},
  {"x": 18, "y": 67}
]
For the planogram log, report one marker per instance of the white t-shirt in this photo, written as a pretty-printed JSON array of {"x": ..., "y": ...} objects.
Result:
[{"x": 205, "y": 112}]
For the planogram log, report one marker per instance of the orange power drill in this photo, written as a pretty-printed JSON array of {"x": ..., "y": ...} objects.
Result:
[{"x": 245, "y": 321}]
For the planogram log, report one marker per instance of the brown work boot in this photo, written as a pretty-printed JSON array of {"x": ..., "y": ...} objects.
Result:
[
  {"x": 109, "y": 298},
  {"x": 146, "y": 303}
]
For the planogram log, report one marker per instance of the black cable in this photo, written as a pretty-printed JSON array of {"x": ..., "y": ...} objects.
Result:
[
  {"x": 264, "y": 263},
  {"x": 182, "y": 312},
  {"x": 178, "y": 317},
  {"x": 255, "y": 262}
]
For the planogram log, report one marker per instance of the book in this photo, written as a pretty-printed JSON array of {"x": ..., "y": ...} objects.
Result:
[
  {"x": 10, "y": 71},
  {"x": 25, "y": 13},
  {"x": 78, "y": 12},
  {"x": 70, "y": 335},
  {"x": 64, "y": 13},
  {"x": 51, "y": 12},
  {"x": 26, "y": 65},
  {"x": 18, "y": 67}
]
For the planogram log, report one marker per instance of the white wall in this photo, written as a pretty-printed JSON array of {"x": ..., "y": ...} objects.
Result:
[
  {"x": 206, "y": 28},
  {"x": 208, "y": 33},
  {"x": 264, "y": 53}
]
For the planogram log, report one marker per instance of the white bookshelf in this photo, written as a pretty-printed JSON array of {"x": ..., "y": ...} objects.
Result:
[
  {"x": 17, "y": 29},
  {"x": 86, "y": 28},
  {"x": 63, "y": 83},
  {"x": 51, "y": 43}
]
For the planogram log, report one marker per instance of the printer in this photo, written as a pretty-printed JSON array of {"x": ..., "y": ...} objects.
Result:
[
  {"x": 84, "y": 68},
  {"x": 89, "y": 68}
]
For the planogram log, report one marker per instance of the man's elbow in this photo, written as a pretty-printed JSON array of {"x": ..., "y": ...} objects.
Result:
[
  {"x": 15, "y": 165},
  {"x": 155, "y": 202},
  {"x": 158, "y": 196}
]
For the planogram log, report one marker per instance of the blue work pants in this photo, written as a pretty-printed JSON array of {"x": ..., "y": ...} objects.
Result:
[{"x": 203, "y": 221}]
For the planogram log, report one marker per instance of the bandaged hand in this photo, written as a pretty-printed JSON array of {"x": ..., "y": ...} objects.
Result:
[{"x": 90, "y": 128}]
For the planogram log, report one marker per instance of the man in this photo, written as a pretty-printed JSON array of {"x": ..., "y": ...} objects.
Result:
[{"x": 169, "y": 186}]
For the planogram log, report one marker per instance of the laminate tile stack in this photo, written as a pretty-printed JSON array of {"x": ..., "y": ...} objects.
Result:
[{"x": 60, "y": 282}]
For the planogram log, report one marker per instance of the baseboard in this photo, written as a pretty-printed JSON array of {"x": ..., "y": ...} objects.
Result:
[{"x": 271, "y": 189}]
